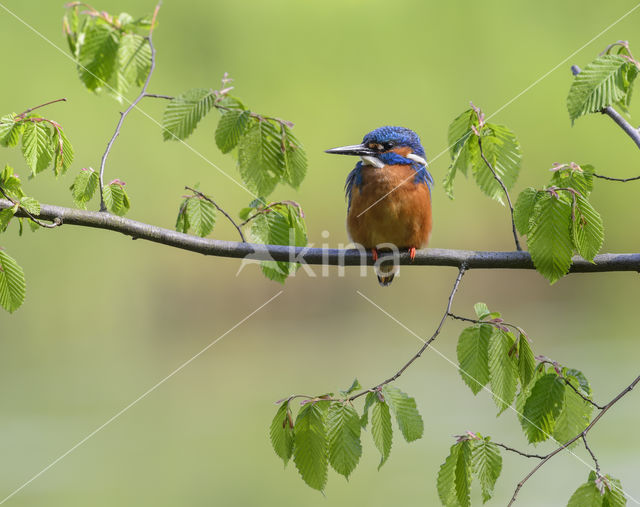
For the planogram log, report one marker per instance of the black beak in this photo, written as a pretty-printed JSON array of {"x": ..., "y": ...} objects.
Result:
[{"x": 354, "y": 149}]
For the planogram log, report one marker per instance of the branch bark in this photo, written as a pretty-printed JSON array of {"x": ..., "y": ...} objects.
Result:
[{"x": 316, "y": 256}]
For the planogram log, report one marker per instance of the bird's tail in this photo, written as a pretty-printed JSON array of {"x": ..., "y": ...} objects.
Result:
[{"x": 385, "y": 272}]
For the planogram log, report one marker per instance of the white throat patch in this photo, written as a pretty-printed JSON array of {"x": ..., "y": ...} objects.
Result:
[
  {"x": 375, "y": 162},
  {"x": 417, "y": 158}
]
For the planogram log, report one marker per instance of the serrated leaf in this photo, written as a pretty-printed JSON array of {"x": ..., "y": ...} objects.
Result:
[
  {"x": 587, "y": 229},
  {"x": 281, "y": 433},
  {"x": 294, "y": 158},
  {"x": 37, "y": 146},
  {"x": 310, "y": 447},
  {"x": 459, "y": 137},
  {"x": 84, "y": 187},
  {"x": 115, "y": 198},
  {"x": 132, "y": 64},
  {"x": 502, "y": 150},
  {"x": 369, "y": 400},
  {"x": 184, "y": 112},
  {"x": 343, "y": 430},
  {"x": 549, "y": 239},
  {"x": 5, "y": 217},
  {"x": 231, "y": 128},
  {"x": 503, "y": 369},
  {"x": 97, "y": 54},
  {"x": 463, "y": 474},
  {"x": 381, "y": 430},
  {"x": 31, "y": 205},
  {"x": 63, "y": 153},
  {"x": 613, "y": 494},
  {"x": 260, "y": 159},
  {"x": 404, "y": 408},
  {"x": 355, "y": 385},
  {"x": 201, "y": 215},
  {"x": 575, "y": 415},
  {"x": 580, "y": 178},
  {"x": 542, "y": 408},
  {"x": 602, "y": 83},
  {"x": 10, "y": 130},
  {"x": 473, "y": 355},
  {"x": 526, "y": 360},
  {"x": 523, "y": 210},
  {"x": 482, "y": 310},
  {"x": 182, "y": 222},
  {"x": 587, "y": 495},
  {"x": 446, "y": 478},
  {"x": 11, "y": 184},
  {"x": 487, "y": 465},
  {"x": 12, "y": 283}
]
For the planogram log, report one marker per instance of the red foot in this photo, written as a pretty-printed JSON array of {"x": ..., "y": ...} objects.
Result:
[
  {"x": 412, "y": 253},
  {"x": 374, "y": 254}
]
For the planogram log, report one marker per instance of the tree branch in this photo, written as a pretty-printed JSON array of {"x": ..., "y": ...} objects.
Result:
[
  {"x": 208, "y": 199},
  {"x": 27, "y": 111},
  {"x": 461, "y": 272},
  {"x": 506, "y": 193},
  {"x": 317, "y": 256},
  {"x": 582, "y": 434},
  {"x": 519, "y": 452},
  {"x": 133, "y": 104}
]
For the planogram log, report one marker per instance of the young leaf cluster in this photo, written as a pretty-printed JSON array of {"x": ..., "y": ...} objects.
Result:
[
  {"x": 559, "y": 220},
  {"x": 327, "y": 431},
  {"x": 599, "y": 491},
  {"x": 112, "y": 53},
  {"x": 44, "y": 144},
  {"x": 499, "y": 146}
]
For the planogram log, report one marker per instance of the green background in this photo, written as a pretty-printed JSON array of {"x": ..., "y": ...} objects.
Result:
[{"x": 106, "y": 318}]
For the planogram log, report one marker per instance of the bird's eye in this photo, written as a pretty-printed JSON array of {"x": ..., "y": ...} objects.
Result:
[{"x": 388, "y": 145}]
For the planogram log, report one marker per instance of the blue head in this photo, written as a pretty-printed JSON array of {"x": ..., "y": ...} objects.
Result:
[{"x": 386, "y": 146}]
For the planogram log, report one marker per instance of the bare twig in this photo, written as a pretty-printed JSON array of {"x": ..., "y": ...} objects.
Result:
[
  {"x": 133, "y": 104},
  {"x": 572, "y": 440},
  {"x": 526, "y": 455},
  {"x": 622, "y": 180},
  {"x": 158, "y": 96},
  {"x": 461, "y": 272},
  {"x": 593, "y": 456},
  {"x": 27, "y": 111},
  {"x": 504, "y": 189},
  {"x": 319, "y": 256},
  {"x": 629, "y": 129},
  {"x": 208, "y": 199},
  {"x": 496, "y": 323}
]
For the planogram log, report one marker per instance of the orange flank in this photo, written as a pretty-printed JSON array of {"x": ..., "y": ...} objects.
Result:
[{"x": 402, "y": 218}]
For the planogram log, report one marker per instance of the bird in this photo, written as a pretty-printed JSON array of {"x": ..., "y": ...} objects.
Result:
[{"x": 388, "y": 194}]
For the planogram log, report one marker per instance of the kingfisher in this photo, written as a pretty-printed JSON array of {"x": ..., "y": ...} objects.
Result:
[{"x": 388, "y": 194}]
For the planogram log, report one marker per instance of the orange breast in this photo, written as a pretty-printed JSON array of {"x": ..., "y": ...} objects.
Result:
[{"x": 403, "y": 217}]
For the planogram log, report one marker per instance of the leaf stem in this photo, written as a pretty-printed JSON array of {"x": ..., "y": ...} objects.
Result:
[{"x": 208, "y": 199}]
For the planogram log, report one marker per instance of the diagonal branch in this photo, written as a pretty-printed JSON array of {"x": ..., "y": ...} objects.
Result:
[
  {"x": 133, "y": 104},
  {"x": 317, "y": 256},
  {"x": 506, "y": 193}
]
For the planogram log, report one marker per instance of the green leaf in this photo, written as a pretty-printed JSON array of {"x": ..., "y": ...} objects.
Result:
[
  {"x": 460, "y": 134},
  {"x": 260, "y": 157},
  {"x": 463, "y": 474},
  {"x": 115, "y": 198},
  {"x": 526, "y": 360},
  {"x": 10, "y": 130},
  {"x": 404, "y": 408},
  {"x": 602, "y": 491},
  {"x": 502, "y": 150},
  {"x": 503, "y": 369},
  {"x": 279, "y": 225},
  {"x": 11, "y": 183},
  {"x": 132, "y": 64},
  {"x": 613, "y": 493},
  {"x": 602, "y": 83},
  {"x": 31, "y": 205},
  {"x": 586, "y": 495},
  {"x": 182, "y": 222},
  {"x": 487, "y": 465},
  {"x": 281, "y": 433},
  {"x": 97, "y": 54},
  {"x": 587, "y": 230},
  {"x": 63, "y": 153},
  {"x": 369, "y": 400},
  {"x": 294, "y": 158},
  {"x": 523, "y": 210},
  {"x": 231, "y": 128},
  {"x": 5, "y": 217},
  {"x": 343, "y": 430},
  {"x": 580, "y": 178},
  {"x": 542, "y": 408},
  {"x": 381, "y": 429},
  {"x": 37, "y": 146},
  {"x": 473, "y": 355},
  {"x": 575, "y": 415},
  {"x": 482, "y": 310},
  {"x": 184, "y": 112},
  {"x": 549, "y": 239},
  {"x": 355, "y": 385},
  {"x": 84, "y": 187},
  {"x": 202, "y": 216},
  {"x": 446, "y": 478},
  {"x": 310, "y": 448},
  {"x": 12, "y": 283}
]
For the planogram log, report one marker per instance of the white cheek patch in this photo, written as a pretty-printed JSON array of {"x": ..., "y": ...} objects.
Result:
[
  {"x": 417, "y": 158},
  {"x": 375, "y": 162}
]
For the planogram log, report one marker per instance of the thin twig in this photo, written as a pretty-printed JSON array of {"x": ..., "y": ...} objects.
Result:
[
  {"x": 526, "y": 455},
  {"x": 506, "y": 193},
  {"x": 320, "y": 256},
  {"x": 578, "y": 436},
  {"x": 461, "y": 272},
  {"x": 558, "y": 369},
  {"x": 158, "y": 96},
  {"x": 268, "y": 207},
  {"x": 208, "y": 199},
  {"x": 593, "y": 456},
  {"x": 27, "y": 111},
  {"x": 56, "y": 220},
  {"x": 629, "y": 129},
  {"x": 498, "y": 323},
  {"x": 622, "y": 180},
  {"x": 123, "y": 115}
]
